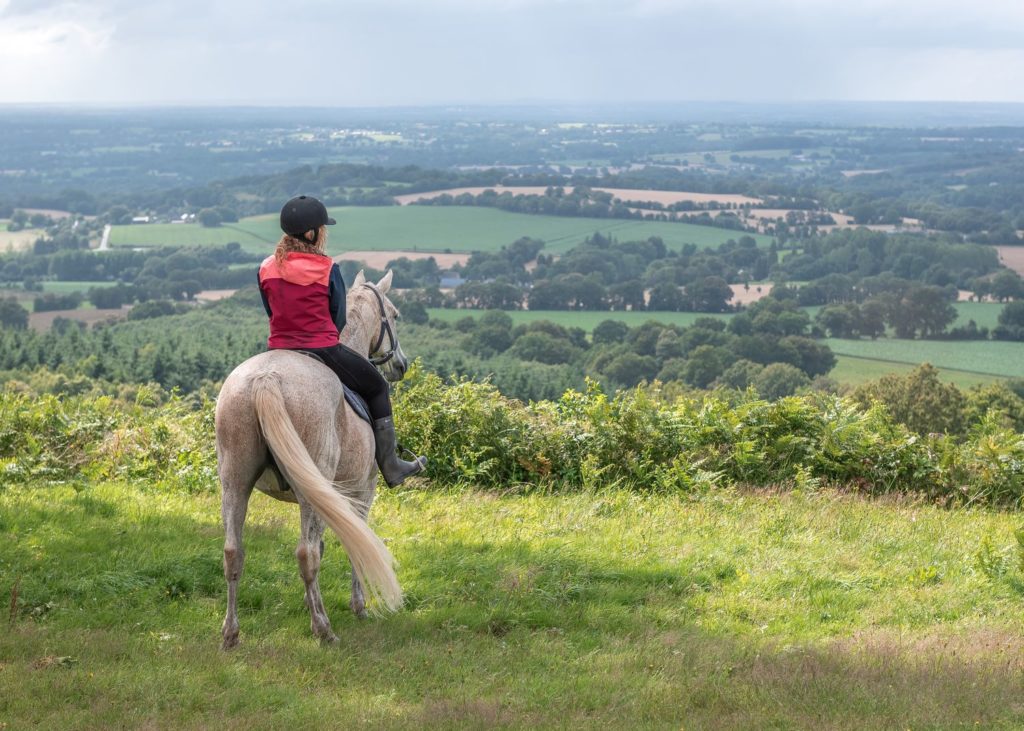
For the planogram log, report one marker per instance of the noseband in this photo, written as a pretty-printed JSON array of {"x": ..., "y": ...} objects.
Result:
[{"x": 385, "y": 331}]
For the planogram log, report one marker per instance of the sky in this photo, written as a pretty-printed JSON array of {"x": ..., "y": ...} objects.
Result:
[{"x": 429, "y": 52}]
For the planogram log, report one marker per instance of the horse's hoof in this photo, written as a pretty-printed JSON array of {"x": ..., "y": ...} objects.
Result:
[
  {"x": 329, "y": 640},
  {"x": 361, "y": 613},
  {"x": 229, "y": 643}
]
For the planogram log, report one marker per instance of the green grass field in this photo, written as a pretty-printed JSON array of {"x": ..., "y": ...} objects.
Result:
[
  {"x": 853, "y": 371},
  {"x": 984, "y": 314},
  {"x": 979, "y": 358},
  {"x": 428, "y": 228},
  {"x": 67, "y": 287},
  {"x": 586, "y": 320},
  {"x": 720, "y": 610}
]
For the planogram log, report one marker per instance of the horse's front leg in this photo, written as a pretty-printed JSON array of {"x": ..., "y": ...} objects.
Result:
[
  {"x": 309, "y": 553},
  {"x": 361, "y": 501}
]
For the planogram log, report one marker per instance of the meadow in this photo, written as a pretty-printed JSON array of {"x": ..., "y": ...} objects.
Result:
[
  {"x": 980, "y": 357},
  {"x": 18, "y": 240},
  {"x": 428, "y": 228},
  {"x": 855, "y": 371},
  {"x": 587, "y": 320},
  {"x": 709, "y": 610}
]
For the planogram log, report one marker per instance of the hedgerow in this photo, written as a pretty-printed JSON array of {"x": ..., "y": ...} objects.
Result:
[{"x": 637, "y": 438}]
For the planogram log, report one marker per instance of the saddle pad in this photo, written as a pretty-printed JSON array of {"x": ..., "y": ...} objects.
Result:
[{"x": 358, "y": 404}]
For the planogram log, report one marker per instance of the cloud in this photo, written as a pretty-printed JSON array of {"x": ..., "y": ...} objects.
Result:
[{"x": 369, "y": 52}]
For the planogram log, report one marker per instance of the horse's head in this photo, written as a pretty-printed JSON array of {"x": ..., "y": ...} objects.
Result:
[{"x": 370, "y": 328}]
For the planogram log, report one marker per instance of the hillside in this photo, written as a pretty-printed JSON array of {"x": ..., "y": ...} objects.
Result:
[{"x": 718, "y": 609}]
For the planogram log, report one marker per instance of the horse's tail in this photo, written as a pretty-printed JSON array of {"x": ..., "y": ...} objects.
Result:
[{"x": 371, "y": 560}]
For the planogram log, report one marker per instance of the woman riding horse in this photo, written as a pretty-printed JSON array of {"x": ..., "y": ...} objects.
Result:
[{"x": 304, "y": 296}]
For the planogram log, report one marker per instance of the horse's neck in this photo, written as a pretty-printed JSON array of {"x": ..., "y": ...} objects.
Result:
[{"x": 358, "y": 331}]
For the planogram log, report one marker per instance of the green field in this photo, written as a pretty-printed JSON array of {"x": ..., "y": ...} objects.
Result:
[
  {"x": 984, "y": 314},
  {"x": 977, "y": 358},
  {"x": 718, "y": 610},
  {"x": 67, "y": 287},
  {"x": 586, "y": 320},
  {"x": 428, "y": 228},
  {"x": 852, "y": 371}
]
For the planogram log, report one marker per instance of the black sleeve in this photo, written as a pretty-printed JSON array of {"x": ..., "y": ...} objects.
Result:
[
  {"x": 263, "y": 295},
  {"x": 336, "y": 297}
]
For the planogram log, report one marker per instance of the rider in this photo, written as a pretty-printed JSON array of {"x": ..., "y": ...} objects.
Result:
[{"x": 304, "y": 296}]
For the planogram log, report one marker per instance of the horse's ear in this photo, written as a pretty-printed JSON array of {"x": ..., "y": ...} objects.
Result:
[
  {"x": 385, "y": 283},
  {"x": 360, "y": 279}
]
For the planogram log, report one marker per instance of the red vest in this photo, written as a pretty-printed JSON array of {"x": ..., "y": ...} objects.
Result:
[{"x": 297, "y": 293}]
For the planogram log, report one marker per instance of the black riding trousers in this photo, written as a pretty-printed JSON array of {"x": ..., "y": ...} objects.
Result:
[{"x": 360, "y": 375}]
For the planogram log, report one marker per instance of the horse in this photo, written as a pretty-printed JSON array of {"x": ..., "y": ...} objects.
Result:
[{"x": 284, "y": 427}]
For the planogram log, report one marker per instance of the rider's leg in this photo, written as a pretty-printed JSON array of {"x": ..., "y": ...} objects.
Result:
[{"x": 361, "y": 376}]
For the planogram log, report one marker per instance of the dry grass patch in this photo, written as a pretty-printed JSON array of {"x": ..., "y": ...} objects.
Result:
[
  {"x": 1012, "y": 257},
  {"x": 44, "y": 320}
]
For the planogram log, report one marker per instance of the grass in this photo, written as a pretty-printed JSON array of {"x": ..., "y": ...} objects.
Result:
[
  {"x": 978, "y": 358},
  {"x": 854, "y": 371},
  {"x": 725, "y": 609},
  {"x": 429, "y": 228},
  {"x": 18, "y": 240},
  {"x": 984, "y": 314},
  {"x": 67, "y": 287},
  {"x": 586, "y": 320}
]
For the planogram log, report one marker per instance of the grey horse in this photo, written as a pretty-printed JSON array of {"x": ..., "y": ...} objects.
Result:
[{"x": 284, "y": 427}]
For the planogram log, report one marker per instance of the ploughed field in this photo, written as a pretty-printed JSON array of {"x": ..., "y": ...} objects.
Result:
[{"x": 721, "y": 609}]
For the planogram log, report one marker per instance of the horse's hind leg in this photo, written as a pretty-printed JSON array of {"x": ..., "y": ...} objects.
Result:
[
  {"x": 240, "y": 462},
  {"x": 309, "y": 553},
  {"x": 362, "y": 500},
  {"x": 236, "y": 487}
]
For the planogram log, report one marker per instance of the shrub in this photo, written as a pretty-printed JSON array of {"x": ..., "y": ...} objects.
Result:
[
  {"x": 642, "y": 438},
  {"x": 919, "y": 399}
]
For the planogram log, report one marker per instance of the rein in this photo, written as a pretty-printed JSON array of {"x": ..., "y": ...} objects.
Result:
[{"x": 385, "y": 330}]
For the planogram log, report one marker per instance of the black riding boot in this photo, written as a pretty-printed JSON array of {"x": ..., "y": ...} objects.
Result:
[{"x": 394, "y": 469}]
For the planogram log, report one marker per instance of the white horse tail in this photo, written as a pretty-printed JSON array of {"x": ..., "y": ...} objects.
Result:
[{"x": 370, "y": 558}]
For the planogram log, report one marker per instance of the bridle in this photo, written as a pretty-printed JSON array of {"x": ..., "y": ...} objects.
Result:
[{"x": 385, "y": 331}]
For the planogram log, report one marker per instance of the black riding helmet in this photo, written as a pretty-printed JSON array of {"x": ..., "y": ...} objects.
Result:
[{"x": 304, "y": 213}]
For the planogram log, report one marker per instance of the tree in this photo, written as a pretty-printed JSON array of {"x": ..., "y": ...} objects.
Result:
[
  {"x": 919, "y": 400},
  {"x": 543, "y": 348},
  {"x": 209, "y": 217},
  {"x": 1011, "y": 322},
  {"x": 779, "y": 380},
  {"x": 839, "y": 321},
  {"x": 667, "y": 297},
  {"x": 926, "y": 310},
  {"x": 813, "y": 358},
  {"x": 1007, "y": 285},
  {"x": 111, "y": 298},
  {"x": 710, "y": 294},
  {"x": 12, "y": 315},
  {"x": 629, "y": 369},
  {"x": 871, "y": 319},
  {"x": 609, "y": 332},
  {"x": 739, "y": 375},
  {"x": 705, "y": 364}
]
